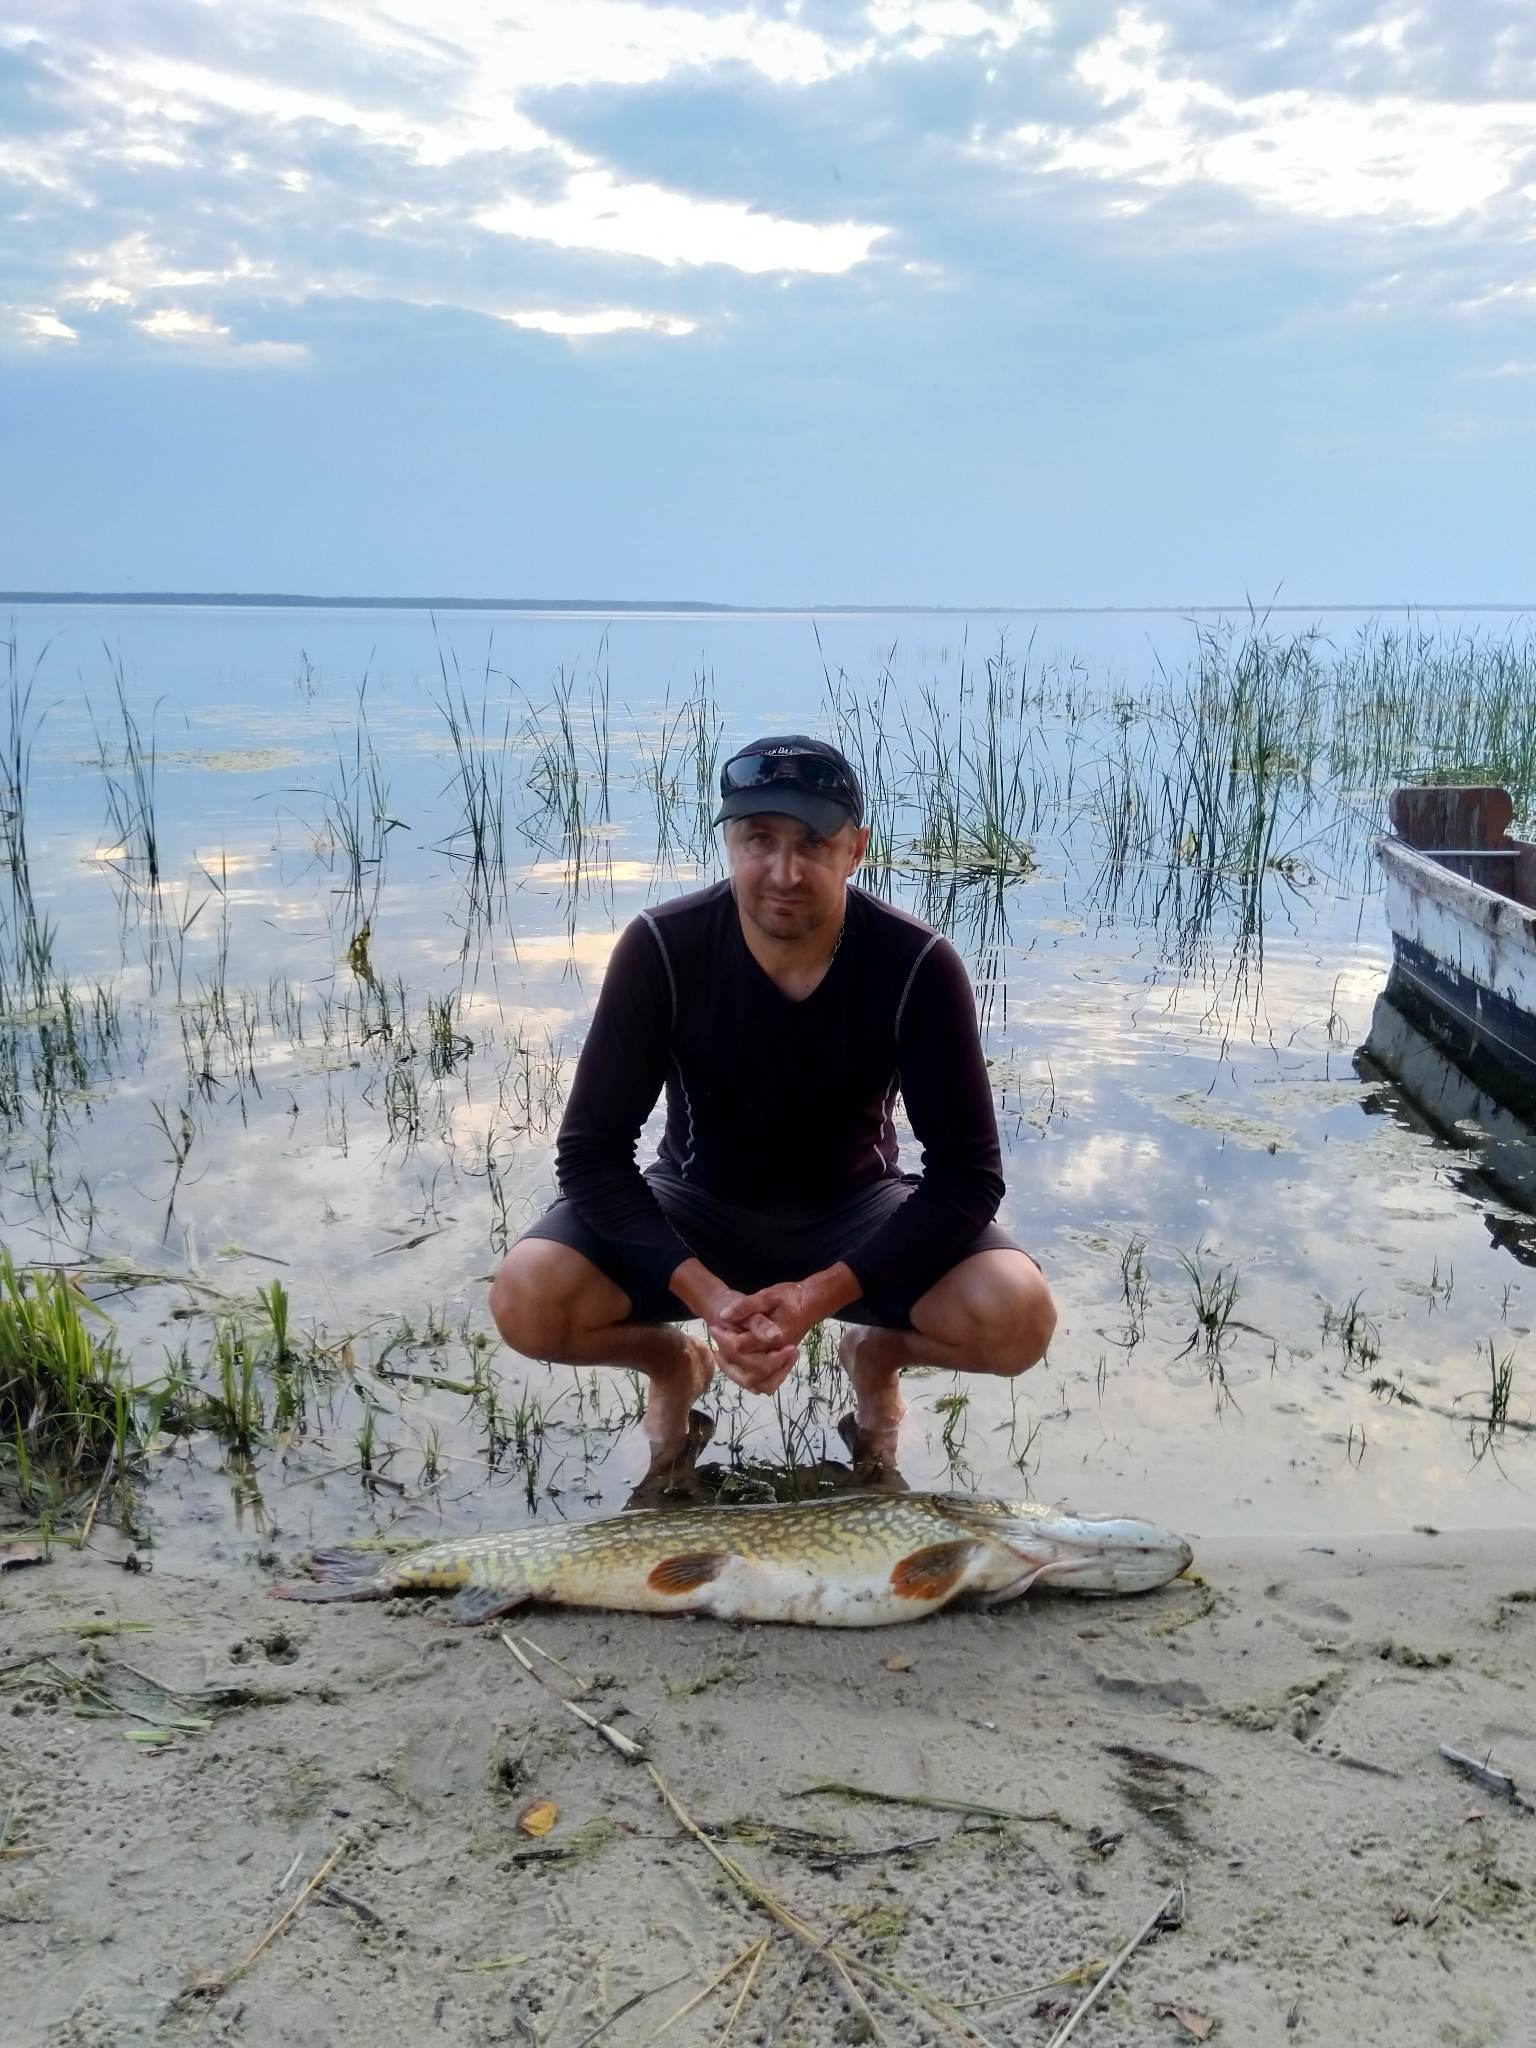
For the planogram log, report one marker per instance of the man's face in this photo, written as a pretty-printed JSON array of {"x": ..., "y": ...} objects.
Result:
[{"x": 788, "y": 880}]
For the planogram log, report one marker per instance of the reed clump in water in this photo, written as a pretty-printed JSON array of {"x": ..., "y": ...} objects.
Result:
[
  {"x": 1412, "y": 704},
  {"x": 353, "y": 839},
  {"x": 1486, "y": 1429},
  {"x": 26, "y": 934},
  {"x": 66, "y": 1406},
  {"x": 977, "y": 786},
  {"x": 477, "y": 843},
  {"x": 129, "y": 775},
  {"x": 258, "y": 1382}
]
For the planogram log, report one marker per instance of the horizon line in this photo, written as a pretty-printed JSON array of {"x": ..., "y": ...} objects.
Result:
[{"x": 301, "y": 601}]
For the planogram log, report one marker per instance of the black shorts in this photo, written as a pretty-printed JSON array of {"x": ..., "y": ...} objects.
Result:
[{"x": 752, "y": 1248}]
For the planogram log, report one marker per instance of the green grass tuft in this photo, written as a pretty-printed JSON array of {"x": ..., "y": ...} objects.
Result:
[{"x": 66, "y": 1407}]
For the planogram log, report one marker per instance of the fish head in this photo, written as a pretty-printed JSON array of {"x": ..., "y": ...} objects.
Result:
[{"x": 1095, "y": 1554}]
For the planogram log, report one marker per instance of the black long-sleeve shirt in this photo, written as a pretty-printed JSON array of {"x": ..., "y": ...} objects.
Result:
[{"x": 772, "y": 1100}]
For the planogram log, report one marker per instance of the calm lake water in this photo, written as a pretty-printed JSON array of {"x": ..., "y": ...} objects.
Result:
[{"x": 330, "y": 1047}]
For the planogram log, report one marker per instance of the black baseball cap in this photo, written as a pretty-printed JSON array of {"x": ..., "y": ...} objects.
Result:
[{"x": 796, "y": 776}]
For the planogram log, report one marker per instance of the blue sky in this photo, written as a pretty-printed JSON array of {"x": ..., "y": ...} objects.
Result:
[{"x": 949, "y": 301}]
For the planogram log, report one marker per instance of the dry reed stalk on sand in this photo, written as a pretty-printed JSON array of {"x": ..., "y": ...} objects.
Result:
[
  {"x": 90, "y": 1520},
  {"x": 844, "y": 1961},
  {"x": 627, "y": 1747},
  {"x": 215, "y": 1987},
  {"x": 638, "y": 1998},
  {"x": 581, "y": 1684},
  {"x": 754, "y": 1949},
  {"x": 741, "y": 1997},
  {"x": 834, "y": 1789},
  {"x": 1172, "y": 1904}
]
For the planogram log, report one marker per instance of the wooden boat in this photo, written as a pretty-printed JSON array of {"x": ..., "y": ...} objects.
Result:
[{"x": 1461, "y": 904}]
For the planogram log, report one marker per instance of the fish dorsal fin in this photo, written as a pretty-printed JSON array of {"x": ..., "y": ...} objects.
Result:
[
  {"x": 933, "y": 1571},
  {"x": 686, "y": 1572}
]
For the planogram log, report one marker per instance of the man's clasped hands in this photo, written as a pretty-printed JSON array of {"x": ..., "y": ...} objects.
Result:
[{"x": 757, "y": 1336}]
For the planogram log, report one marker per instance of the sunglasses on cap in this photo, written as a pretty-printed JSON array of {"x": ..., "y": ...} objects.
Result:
[{"x": 806, "y": 771}]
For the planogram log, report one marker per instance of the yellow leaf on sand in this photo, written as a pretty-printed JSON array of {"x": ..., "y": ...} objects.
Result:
[
  {"x": 1198, "y": 2026},
  {"x": 897, "y": 1662},
  {"x": 538, "y": 1818}
]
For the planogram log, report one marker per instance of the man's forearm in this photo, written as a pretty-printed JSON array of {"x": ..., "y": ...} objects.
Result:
[
  {"x": 703, "y": 1291},
  {"x": 831, "y": 1289},
  {"x": 825, "y": 1292}
]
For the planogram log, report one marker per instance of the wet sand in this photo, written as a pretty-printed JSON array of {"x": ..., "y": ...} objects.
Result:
[{"x": 1265, "y": 1738}]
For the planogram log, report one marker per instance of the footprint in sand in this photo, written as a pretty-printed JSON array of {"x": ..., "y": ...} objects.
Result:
[
  {"x": 1303, "y": 1607},
  {"x": 1164, "y": 1692}
]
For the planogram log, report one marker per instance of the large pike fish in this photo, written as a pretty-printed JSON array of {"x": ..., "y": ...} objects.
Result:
[{"x": 856, "y": 1560}]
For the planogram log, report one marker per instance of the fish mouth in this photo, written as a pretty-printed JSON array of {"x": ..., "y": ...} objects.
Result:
[
  {"x": 1094, "y": 1555},
  {"x": 1101, "y": 1576}
]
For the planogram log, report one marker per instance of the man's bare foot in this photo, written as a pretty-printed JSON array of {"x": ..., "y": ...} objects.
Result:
[
  {"x": 868, "y": 1470},
  {"x": 676, "y": 1478},
  {"x": 672, "y": 1394},
  {"x": 875, "y": 1376}
]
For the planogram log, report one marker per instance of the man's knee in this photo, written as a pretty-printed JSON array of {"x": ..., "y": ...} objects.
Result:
[
  {"x": 544, "y": 1293},
  {"x": 529, "y": 1314},
  {"x": 1022, "y": 1325},
  {"x": 1001, "y": 1313}
]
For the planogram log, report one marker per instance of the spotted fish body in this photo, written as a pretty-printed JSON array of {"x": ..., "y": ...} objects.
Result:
[{"x": 855, "y": 1560}]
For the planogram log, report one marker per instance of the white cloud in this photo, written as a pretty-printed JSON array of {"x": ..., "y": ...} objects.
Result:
[
  {"x": 205, "y": 159},
  {"x": 492, "y": 57},
  {"x": 40, "y": 325},
  {"x": 397, "y": 133},
  {"x": 1381, "y": 35},
  {"x": 597, "y": 212},
  {"x": 172, "y": 90},
  {"x": 542, "y": 44},
  {"x": 200, "y": 332},
  {"x": 928, "y": 25},
  {"x": 627, "y": 42},
  {"x": 26, "y": 163},
  {"x": 611, "y": 320},
  {"x": 1514, "y": 368},
  {"x": 133, "y": 268},
  {"x": 174, "y": 323},
  {"x": 466, "y": 68},
  {"x": 1500, "y": 298},
  {"x": 1316, "y": 153}
]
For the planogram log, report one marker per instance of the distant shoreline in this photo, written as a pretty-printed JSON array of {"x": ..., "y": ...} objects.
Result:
[{"x": 231, "y": 600}]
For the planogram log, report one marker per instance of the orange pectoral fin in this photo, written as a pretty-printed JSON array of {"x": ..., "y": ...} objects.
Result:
[
  {"x": 934, "y": 1571},
  {"x": 686, "y": 1572}
]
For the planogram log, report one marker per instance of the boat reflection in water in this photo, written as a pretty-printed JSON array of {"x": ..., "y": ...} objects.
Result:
[{"x": 1423, "y": 1088}]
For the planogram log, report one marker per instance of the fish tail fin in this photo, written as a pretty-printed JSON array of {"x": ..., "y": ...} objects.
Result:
[{"x": 336, "y": 1575}]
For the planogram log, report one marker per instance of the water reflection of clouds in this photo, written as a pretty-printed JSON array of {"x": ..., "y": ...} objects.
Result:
[
  {"x": 1106, "y": 1162},
  {"x": 602, "y": 868},
  {"x": 77, "y": 850},
  {"x": 583, "y": 948}
]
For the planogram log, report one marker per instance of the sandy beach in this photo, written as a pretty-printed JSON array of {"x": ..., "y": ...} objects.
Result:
[{"x": 1264, "y": 1737}]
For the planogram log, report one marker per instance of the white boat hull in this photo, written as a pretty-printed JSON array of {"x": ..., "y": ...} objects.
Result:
[{"x": 1464, "y": 961}]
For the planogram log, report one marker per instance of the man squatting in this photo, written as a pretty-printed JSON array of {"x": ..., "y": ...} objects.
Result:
[{"x": 781, "y": 1009}]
